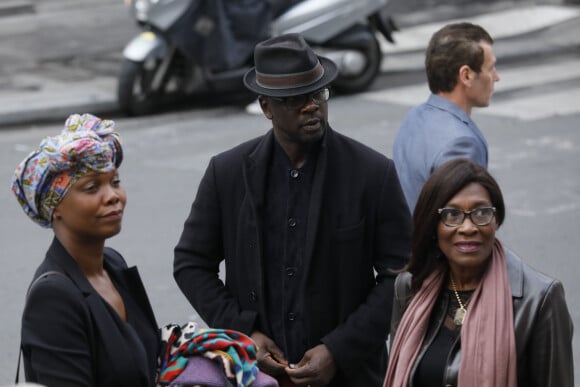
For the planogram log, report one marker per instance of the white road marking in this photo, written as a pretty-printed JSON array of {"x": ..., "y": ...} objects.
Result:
[
  {"x": 529, "y": 107},
  {"x": 499, "y": 24}
]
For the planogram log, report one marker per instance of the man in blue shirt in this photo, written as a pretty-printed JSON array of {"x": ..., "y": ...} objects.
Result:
[{"x": 461, "y": 73}]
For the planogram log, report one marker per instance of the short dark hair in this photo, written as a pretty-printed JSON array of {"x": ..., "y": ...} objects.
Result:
[
  {"x": 445, "y": 182},
  {"x": 451, "y": 47}
]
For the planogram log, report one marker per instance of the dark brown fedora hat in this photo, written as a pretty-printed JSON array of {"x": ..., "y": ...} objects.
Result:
[{"x": 287, "y": 66}]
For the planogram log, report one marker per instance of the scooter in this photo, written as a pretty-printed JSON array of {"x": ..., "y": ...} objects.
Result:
[{"x": 184, "y": 51}]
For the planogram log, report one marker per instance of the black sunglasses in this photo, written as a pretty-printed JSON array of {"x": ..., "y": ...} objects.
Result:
[{"x": 318, "y": 97}]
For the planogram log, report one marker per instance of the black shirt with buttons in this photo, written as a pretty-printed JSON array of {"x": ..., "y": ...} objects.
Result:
[{"x": 285, "y": 220}]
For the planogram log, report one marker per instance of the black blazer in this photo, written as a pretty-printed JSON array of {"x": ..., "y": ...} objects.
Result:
[
  {"x": 72, "y": 337},
  {"x": 358, "y": 222}
]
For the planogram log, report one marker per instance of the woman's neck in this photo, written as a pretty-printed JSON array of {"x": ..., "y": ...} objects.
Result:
[
  {"x": 88, "y": 254},
  {"x": 464, "y": 279}
]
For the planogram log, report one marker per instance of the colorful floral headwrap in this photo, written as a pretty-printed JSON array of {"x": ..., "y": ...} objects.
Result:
[{"x": 43, "y": 178}]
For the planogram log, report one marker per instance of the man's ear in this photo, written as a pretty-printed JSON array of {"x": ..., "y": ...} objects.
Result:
[
  {"x": 265, "y": 105},
  {"x": 466, "y": 75}
]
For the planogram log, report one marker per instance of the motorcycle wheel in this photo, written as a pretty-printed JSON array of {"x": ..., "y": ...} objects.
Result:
[
  {"x": 360, "y": 82},
  {"x": 134, "y": 93}
]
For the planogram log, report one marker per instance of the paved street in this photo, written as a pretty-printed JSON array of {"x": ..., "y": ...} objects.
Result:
[{"x": 532, "y": 129}]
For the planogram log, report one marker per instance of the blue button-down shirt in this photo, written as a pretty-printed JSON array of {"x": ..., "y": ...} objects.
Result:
[{"x": 431, "y": 134}]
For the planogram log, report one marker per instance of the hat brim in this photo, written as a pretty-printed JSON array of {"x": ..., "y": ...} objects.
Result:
[{"x": 330, "y": 73}]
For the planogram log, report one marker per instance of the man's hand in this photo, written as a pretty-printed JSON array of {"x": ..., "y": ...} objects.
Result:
[
  {"x": 316, "y": 369},
  {"x": 270, "y": 358}
]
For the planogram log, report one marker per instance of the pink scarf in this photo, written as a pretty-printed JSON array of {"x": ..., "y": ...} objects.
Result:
[{"x": 488, "y": 349}]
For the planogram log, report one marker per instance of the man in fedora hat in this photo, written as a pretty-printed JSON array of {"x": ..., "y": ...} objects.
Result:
[{"x": 309, "y": 222}]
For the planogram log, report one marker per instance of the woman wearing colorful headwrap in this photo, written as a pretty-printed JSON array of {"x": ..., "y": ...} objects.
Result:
[
  {"x": 87, "y": 319},
  {"x": 468, "y": 312}
]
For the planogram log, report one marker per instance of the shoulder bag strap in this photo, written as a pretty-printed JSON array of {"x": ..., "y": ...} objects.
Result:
[{"x": 43, "y": 275}]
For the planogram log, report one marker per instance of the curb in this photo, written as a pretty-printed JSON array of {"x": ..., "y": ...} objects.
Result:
[
  {"x": 16, "y": 7},
  {"x": 48, "y": 115}
]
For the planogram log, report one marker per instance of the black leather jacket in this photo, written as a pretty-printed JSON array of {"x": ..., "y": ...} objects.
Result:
[{"x": 543, "y": 327}]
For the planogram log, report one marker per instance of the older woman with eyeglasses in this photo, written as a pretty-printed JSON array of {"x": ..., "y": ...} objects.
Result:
[{"x": 468, "y": 312}]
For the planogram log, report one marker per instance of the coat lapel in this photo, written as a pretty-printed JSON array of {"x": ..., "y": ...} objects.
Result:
[
  {"x": 316, "y": 199},
  {"x": 129, "y": 277},
  {"x": 515, "y": 273},
  {"x": 254, "y": 170},
  {"x": 59, "y": 259}
]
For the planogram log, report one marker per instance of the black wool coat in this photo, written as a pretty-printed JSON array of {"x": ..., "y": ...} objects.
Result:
[{"x": 358, "y": 227}]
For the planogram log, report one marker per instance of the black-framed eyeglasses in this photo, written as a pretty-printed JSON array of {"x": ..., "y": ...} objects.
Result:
[
  {"x": 453, "y": 217},
  {"x": 297, "y": 101}
]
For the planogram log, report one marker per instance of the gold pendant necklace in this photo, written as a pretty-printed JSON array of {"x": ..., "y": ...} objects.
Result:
[{"x": 461, "y": 311}]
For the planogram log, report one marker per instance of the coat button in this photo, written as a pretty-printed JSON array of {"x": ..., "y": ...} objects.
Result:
[
  {"x": 292, "y": 222},
  {"x": 294, "y": 173},
  {"x": 290, "y": 271},
  {"x": 291, "y": 316},
  {"x": 253, "y": 297}
]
